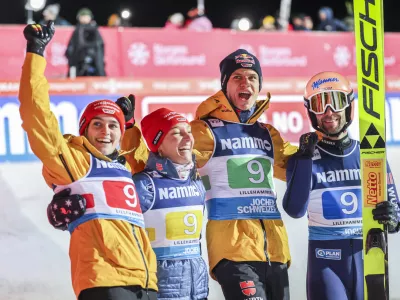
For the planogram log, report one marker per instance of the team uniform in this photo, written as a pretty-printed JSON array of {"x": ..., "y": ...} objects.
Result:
[
  {"x": 324, "y": 180},
  {"x": 334, "y": 208},
  {"x": 173, "y": 212},
  {"x": 109, "y": 246},
  {"x": 246, "y": 238}
]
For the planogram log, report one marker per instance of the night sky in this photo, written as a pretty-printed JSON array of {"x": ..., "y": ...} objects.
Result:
[{"x": 153, "y": 13}]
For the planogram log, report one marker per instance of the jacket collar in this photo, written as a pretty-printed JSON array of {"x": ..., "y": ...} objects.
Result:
[
  {"x": 83, "y": 143},
  {"x": 218, "y": 106},
  {"x": 165, "y": 166}
]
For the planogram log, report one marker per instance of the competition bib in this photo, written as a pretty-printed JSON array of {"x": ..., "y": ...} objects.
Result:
[{"x": 239, "y": 176}]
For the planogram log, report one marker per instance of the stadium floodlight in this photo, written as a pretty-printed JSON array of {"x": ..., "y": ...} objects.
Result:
[
  {"x": 35, "y": 5},
  {"x": 31, "y": 6},
  {"x": 244, "y": 24},
  {"x": 125, "y": 14}
]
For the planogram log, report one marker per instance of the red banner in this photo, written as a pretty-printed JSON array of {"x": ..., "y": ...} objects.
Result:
[
  {"x": 286, "y": 112},
  {"x": 149, "y": 53}
]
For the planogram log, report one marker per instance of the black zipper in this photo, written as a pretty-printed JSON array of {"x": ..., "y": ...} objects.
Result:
[
  {"x": 265, "y": 242},
  {"x": 144, "y": 260},
  {"x": 66, "y": 167}
]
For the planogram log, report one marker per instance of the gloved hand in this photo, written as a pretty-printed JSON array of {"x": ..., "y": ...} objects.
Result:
[
  {"x": 307, "y": 144},
  {"x": 127, "y": 105},
  {"x": 65, "y": 208},
  {"x": 38, "y": 36},
  {"x": 385, "y": 213}
]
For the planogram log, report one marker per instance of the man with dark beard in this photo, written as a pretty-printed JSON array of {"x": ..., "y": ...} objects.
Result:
[{"x": 324, "y": 179}]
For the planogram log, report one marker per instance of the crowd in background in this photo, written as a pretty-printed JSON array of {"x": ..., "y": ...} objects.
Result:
[
  {"x": 85, "y": 50},
  {"x": 197, "y": 20}
]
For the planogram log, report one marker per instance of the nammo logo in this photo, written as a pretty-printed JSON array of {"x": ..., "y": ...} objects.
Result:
[
  {"x": 248, "y": 288},
  {"x": 139, "y": 54}
]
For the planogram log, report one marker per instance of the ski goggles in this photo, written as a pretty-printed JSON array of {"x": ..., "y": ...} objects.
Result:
[{"x": 336, "y": 100}]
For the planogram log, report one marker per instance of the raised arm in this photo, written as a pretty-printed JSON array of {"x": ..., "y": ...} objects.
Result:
[
  {"x": 38, "y": 121},
  {"x": 283, "y": 150},
  {"x": 299, "y": 177},
  {"x": 132, "y": 141}
]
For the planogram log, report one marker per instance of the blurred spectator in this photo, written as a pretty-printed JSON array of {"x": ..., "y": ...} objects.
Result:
[
  {"x": 308, "y": 23},
  {"x": 298, "y": 22},
  {"x": 282, "y": 24},
  {"x": 268, "y": 24},
  {"x": 85, "y": 17},
  {"x": 349, "y": 19},
  {"x": 51, "y": 13},
  {"x": 198, "y": 21},
  {"x": 328, "y": 22},
  {"x": 114, "y": 20},
  {"x": 85, "y": 51},
  {"x": 175, "y": 21}
]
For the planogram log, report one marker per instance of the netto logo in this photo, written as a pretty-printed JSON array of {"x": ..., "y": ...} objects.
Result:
[
  {"x": 369, "y": 58},
  {"x": 372, "y": 187}
]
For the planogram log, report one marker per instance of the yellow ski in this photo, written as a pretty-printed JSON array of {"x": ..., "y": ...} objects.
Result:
[{"x": 369, "y": 37}]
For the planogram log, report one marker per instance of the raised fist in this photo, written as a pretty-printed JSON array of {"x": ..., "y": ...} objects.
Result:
[
  {"x": 38, "y": 36},
  {"x": 307, "y": 144},
  {"x": 127, "y": 105}
]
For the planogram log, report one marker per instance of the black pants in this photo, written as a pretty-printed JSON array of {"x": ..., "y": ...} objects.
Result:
[
  {"x": 252, "y": 280},
  {"x": 132, "y": 292}
]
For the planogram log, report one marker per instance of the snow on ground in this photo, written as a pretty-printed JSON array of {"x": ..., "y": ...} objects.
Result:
[{"x": 34, "y": 262}]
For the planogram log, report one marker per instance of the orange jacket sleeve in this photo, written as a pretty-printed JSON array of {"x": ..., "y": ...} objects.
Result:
[
  {"x": 283, "y": 150},
  {"x": 203, "y": 142},
  {"x": 137, "y": 152}
]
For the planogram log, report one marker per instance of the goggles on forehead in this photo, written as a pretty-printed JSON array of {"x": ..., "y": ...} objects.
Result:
[{"x": 336, "y": 100}]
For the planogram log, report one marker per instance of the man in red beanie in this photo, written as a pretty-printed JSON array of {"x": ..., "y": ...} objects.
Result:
[
  {"x": 111, "y": 255},
  {"x": 238, "y": 157}
]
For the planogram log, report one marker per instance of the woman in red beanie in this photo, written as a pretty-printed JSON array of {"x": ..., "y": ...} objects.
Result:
[
  {"x": 172, "y": 197},
  {"x": 110, "y": 252}
]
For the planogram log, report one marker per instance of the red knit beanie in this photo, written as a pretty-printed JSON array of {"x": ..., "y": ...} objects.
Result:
[
  {"x": 101, "y": 107},
  {"x": 156, "y": 125}
]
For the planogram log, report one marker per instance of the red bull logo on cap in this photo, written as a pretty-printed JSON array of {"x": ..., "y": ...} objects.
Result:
[{"x": 244, "y": 58}]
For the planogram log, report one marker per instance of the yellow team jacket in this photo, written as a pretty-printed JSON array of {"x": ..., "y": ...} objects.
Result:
[
  {"x": 102, "y": 252},
  {"x": 241, "y": 240}
]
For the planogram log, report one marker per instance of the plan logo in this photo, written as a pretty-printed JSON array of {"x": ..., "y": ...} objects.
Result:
[{"x": 333, "y": 254}]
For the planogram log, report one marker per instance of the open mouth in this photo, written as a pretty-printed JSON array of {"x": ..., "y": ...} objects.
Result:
[
  {"x": 245, "y": 95},
  {"x": 104, "y": 141},
  {"x": 184, "y": 149}
]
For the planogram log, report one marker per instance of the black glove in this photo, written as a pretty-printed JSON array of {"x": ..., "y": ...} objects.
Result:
[
  {"x": 38, "y": 36},
  {"x": 65, "y": 208},
  {"x": 385, "y": 213},
  {"x": 127, "y": 105},
  {"x": 307, "y": 144}
]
